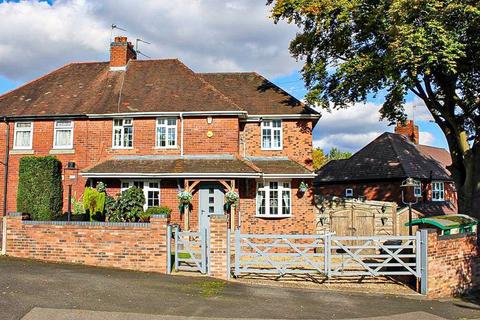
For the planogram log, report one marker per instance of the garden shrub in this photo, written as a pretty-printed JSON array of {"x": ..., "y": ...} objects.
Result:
[
  {"x": 145, "y": 216},
  {"x": 94, "y": 203},
  {"x": 128, "y": 207},
  {"x": 40, "y": 191}
]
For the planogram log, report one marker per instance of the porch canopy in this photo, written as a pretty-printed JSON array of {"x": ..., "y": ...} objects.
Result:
[
  {"x": 195, "y": 169},
  {"x": 202, "y": 166}
]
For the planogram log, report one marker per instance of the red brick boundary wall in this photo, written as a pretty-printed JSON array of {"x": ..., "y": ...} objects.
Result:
[
  {"x": 218, "y": 246},
  {"x": 133, "y": 246},
  {"x": 453, "y": 265}
]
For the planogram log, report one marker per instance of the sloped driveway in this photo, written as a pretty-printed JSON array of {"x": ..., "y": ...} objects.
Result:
[{"x": 25, "y": 285}]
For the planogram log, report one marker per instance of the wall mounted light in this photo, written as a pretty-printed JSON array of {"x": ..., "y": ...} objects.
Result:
[{"x": 209, "y": 120}]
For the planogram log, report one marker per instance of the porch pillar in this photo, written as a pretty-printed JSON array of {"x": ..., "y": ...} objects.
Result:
[{"x": 232, "y": 208}]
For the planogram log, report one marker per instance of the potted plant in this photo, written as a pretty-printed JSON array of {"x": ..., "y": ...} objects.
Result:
[
  {"x": 231, "y": 199},
  {"x": 184, "y": 198},
  {"x": 303, "y": 187}
]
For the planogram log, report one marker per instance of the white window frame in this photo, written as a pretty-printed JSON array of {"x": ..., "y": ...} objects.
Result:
[
  {"x": 268, "y": 125},
  {"x": 16, "y": 129},
  {"x": 417, "y": 191},
  {"x": 122, "y": 133},
  {"x": 57, "y": 128},
  {"x": 266, "y": 189},
  {"x": 438, "y": 187},
  {"x": 349, "y": 193},
  {"x": 146, "y": 189},
  {"x": 166, "y": 126}
]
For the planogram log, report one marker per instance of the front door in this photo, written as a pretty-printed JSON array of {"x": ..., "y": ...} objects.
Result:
[{"x": 211, "y": 201}]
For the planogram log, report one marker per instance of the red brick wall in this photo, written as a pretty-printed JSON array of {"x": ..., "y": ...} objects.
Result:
[
  {"x": 453, "y": 265},
  {"x": 297, "y": 141},
  {"x": 224, "y": 139},
  {"x": 302, "y": 220},
  {"x": 93, "y": 143},
  {"x": 218, "y": 246},
  {"x": 138, "y": 247},
  {"x": 381, "y": 191}
]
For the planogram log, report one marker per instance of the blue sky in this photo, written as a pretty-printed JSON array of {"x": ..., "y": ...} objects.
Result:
[{"x": 214, "y": 35}]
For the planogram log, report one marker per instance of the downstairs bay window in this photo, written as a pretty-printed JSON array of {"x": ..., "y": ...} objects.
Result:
[{"x": 274, "y": 199}]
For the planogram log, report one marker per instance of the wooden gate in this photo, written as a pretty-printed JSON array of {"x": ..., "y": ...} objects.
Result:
[{"x": 351, "y": 222}]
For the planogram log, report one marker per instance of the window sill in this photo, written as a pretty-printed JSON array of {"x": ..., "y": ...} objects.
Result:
[
  {"x": 271, "y": 149},
  {"x": 275, "y": 217},
  {"x": 21, "y": 151},
  {"x": 62, "y": 151},
  {"x": 165, "y": 148},
  {"x": 122, "y": 148}
]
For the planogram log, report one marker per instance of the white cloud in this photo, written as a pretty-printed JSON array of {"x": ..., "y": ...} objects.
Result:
[
  {"x": 349, "y": 129},
  {"x": 426, "y": 138},
  {"x": 208, "y": 35}
]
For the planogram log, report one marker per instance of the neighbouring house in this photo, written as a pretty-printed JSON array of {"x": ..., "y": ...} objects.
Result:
[
  {"x": 377, "y": 171},
  {"x": 162, "y": 127}
]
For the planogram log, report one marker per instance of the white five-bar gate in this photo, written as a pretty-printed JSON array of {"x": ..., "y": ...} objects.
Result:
[
  {"x": 331, "y": 255},
  {"x": 327, "y": 254}
]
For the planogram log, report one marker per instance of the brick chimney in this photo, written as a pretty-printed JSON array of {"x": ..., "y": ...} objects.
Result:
[
  {"x": 121, "y": 51},
  {"x": 409, "y": 130}
]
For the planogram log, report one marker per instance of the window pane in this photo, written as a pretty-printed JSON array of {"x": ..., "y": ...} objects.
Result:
[
  {"x": 273, "y": 201},
  {"x": 161, "y": 138},
  {"x": 266, "y": 138},
  {"x": 276, "y": 123},
  {"x": 117, "y": 122},
  {"x": 261, "y": 202},
  {"x": 117, "y": 137},
  {"x": 171, "y": 136},
  {"x": 172, "y": 122},
  {"x": 63, "y": 123},
  {"x": 128, "y": 137},
  {"x": 276, "y": 139},
  {"x": 138, "y": 184},
  {"x": 23, "y": 125},
  {"x": 63, "y": 138},
  {"x": 22, "y": 138},
  {"x": 286, "y": 202}
]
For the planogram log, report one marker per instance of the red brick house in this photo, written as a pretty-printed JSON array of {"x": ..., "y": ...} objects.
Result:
[
  {"x": 160, "y": 126},
  {"x": 376, "y": 172}
]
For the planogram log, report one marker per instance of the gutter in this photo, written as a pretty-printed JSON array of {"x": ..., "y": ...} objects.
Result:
[
  {"x": 170, "y": 175},
  {"x": 181, "y": 134}
]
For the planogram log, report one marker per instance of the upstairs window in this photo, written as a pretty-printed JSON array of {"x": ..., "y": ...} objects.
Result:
[
  {"x": 63, "y": 134},
  {"x": 349, "y": 192},
  {"x": 272, "y": 135},
  {"x": 166, "y": 136},
  {"x": 274, "y": 199},
  {"x": 23, "y": 137},
  {"x": 122, "y": 133},
  {"x": 438, "y": 191}
]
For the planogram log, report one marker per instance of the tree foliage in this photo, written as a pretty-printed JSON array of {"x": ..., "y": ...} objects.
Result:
[
  {"x": 320, "y": 158},
  {"x": 355, "y": 48},
  {"x": 40, "y": 189}
]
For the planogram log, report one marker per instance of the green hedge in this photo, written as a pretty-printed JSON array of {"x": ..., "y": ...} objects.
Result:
[{"x": 40, "y": 189}]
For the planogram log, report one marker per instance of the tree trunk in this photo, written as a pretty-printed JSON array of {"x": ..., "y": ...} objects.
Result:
[{"x": 468, "y": 186}]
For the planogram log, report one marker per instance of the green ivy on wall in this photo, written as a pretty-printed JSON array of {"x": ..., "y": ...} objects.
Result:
[{"x": 40, "y": 189}]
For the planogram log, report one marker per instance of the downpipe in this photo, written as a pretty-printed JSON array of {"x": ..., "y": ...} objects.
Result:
[{"x": 5, "y": 187}]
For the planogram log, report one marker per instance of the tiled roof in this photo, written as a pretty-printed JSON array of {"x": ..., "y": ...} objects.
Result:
[
  {"x": 191, "y": 165},
  {"x": 279, "y": 166},
  {"x": 256, "y": 94},
  {"x": 146, "y": 86},
  {"x": 439, "y": 154},
  {"x": 390, "y": 156}
]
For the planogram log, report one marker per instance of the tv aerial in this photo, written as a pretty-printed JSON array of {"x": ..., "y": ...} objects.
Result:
[{"x": 137, "y": 41}]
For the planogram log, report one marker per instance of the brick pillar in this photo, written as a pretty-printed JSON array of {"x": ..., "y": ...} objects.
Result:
[
  {"x": 218, "y": 246},
  {"x": 159, "y": 225}
]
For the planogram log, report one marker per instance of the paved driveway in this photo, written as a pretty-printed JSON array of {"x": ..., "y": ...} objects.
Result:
[{"x": 33, "y": 289}]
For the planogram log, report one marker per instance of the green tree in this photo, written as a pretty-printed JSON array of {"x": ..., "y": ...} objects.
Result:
[
  {"x": 353, "y": 48},
  {"x": 319, "y": 158},
  {"x": 337, "y": 154}
]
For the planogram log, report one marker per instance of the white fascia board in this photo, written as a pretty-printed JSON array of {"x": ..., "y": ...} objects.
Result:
[
  {"x": 289, "y": 175},
  {"x": 166, "y": 114},
  {"x": 258, "y": 117},
  {"x": 169, "y": 175}
]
